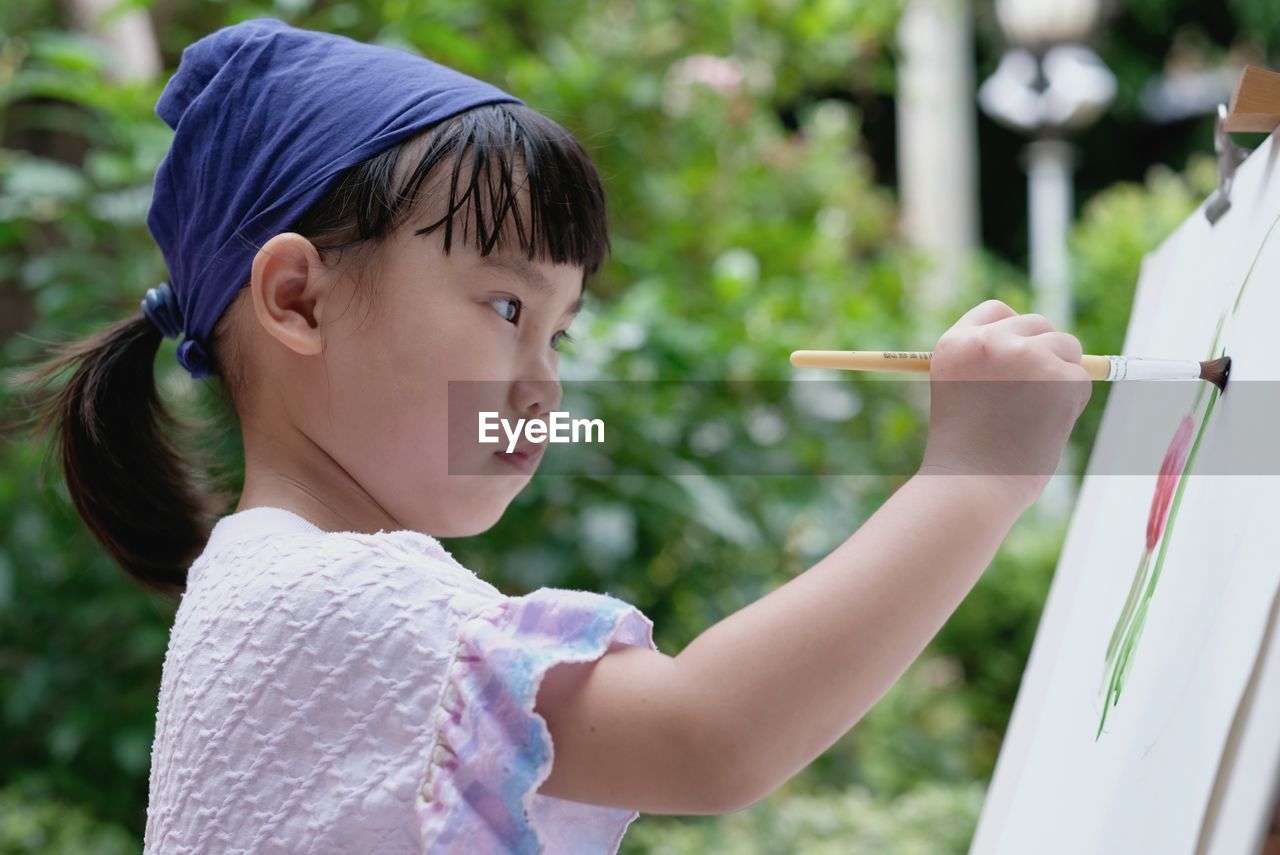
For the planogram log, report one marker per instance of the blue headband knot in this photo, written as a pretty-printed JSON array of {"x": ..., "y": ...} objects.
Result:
[{"x": 195, "y": 359}]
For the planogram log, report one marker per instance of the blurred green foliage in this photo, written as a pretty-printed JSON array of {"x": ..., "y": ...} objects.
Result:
[
  {"x": 933, "y": 819},
  {"x": 735, "y": 242},
  {"x": 52, "y": 827}
]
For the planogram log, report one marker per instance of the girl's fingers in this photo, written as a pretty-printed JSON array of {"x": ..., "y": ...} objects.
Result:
[
  {"x": 1029, "y": 324},
  {"x": 985, "y": 313},
  {"x": 1064, "y": 344}
]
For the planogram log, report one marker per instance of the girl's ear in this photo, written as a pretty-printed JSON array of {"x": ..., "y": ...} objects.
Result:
[{"x": 288, "y": 289}]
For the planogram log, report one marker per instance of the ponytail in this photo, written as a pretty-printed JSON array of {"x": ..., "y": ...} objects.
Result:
[{"x": 128, "y": 479}]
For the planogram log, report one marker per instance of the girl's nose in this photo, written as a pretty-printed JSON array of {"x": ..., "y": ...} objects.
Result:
[{"x": 536, "y": 395}]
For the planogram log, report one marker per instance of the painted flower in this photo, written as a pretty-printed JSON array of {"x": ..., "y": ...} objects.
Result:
[
  {"x": 1164, "y": 508},
  {"x": 1174, "y": 459}
]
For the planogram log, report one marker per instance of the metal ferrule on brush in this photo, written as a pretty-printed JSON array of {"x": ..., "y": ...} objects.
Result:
[{"x": 1139, "y": 368}]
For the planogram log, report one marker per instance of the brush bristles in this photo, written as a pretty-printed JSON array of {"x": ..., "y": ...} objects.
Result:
[{"x": 1216, "y": 371}]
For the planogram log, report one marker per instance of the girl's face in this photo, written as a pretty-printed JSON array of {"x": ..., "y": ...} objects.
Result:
[{"x": 351, "y": 423}]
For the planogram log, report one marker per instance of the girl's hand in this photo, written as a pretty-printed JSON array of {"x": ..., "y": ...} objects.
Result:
[{"x": 1011, "y": 432}]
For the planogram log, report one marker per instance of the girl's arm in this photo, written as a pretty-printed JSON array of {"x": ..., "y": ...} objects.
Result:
[{"x": 763, "y": 692}]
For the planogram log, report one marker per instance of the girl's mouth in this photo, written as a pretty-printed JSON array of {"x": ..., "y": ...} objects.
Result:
[{"x": 524, "y": 458}]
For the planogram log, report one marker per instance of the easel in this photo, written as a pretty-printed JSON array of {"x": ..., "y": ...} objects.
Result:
[
  {"x": 1239, "y": 811},
  {"x": 1255, "y": 108}
]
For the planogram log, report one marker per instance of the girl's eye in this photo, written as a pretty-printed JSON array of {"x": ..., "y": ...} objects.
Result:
[
  {"x": 517, "y": 305},
  {"x": 513, "y": 301},
  {"x": 564, "y": 336}
]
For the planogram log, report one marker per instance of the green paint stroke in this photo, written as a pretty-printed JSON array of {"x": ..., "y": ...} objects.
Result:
[
  {"x": 1252, "y": 264},
  {"x": 1135, "y": 589}
]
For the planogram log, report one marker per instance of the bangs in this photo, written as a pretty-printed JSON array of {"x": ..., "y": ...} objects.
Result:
[{"x": 514, "y": 178}]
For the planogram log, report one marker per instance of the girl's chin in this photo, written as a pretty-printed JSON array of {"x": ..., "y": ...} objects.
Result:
[{"x": 470, "y": 518}]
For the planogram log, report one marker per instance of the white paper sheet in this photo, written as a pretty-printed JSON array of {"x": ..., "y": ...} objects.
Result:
[{"x": 1142, "y": 785}]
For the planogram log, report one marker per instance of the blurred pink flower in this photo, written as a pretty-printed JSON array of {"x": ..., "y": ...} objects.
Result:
[
  {"x": 1170, "y": 469},
  {"x": 723, "y": 73},
  {"x": 729, "y": 76}
]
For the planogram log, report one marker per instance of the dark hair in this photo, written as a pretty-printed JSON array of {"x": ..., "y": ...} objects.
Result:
[{"x": 146, "y": 500}]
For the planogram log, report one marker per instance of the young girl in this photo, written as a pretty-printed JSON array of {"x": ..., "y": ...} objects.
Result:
[{"x": 347, "y": 228}]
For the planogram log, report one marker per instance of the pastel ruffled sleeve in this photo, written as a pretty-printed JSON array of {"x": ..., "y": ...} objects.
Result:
[{"x": 493, "y": 751}]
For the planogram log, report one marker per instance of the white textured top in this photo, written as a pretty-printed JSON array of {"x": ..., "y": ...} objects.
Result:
[{"x": 358, "y": 693}]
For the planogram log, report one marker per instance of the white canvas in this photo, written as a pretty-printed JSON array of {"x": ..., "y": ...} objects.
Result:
[{"x": 1143, "y": 784}]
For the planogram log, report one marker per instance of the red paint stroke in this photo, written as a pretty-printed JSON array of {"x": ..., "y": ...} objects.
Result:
[{"x": 1170, "y": 470}]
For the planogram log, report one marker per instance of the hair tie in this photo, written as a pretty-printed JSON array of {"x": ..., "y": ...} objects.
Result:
[{"x": 161, "y": 308}]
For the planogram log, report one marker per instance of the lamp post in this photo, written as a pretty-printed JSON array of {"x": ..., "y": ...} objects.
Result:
[{"x": 1048, "y": 84}]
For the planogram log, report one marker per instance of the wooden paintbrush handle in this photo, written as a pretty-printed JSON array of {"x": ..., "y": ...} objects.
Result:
[
  {"x": 1098, "y": 367},
  {"x": 864, "y": 360}
]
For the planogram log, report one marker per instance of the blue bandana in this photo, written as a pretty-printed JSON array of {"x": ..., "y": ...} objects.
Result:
[{"x": 266, "y": 119}]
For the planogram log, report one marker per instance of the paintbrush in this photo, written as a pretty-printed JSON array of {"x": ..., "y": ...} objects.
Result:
[{"x": 1098, "y": 367}]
